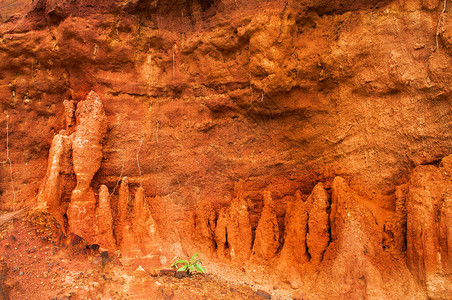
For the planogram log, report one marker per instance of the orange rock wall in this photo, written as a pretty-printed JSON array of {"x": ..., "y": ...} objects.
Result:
[{"x": 199, "y": 95}]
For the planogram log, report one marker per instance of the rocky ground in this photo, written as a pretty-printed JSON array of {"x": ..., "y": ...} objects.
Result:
[{"x": 38, "y": 264}]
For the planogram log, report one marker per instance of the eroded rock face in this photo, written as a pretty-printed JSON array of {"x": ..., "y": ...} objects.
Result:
[
  {"x": 86, "y": 158},
  {"x": 294, "y": 248},
  {"x": 233, "y": 230},
  {"x": 221, "y": 234},
  {"x": 123, "y": 209},
  {"x": 288, "y": 75},
  {"x": 266, "y": 241},
  {"x": 445, "y": 233},
  {"x": 59, "y": 165},
  {"x": 91, "y": 127},
  {"x": 106, "y": 239},
  {"x": 283, "y": 95},
  {"x": 428, "y": 217},
  {"x": 204, "y": 229},
  {"x": 239, "y": 230},
  {"x": 318, "y": 236},
  {"x": 133, "y": 231},
  {"x": 306, "y": 235},
  {"x": 143, "y": 225},
  {"x": 351, "y": 266}
]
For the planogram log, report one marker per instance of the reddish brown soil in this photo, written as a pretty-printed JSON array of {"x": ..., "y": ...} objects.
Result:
[{"x": 37, "y": 267}]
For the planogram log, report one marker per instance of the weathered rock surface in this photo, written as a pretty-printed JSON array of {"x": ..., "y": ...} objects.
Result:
[
  {"x": 221, "y": 235},
  {"x": 50, "y": 196},
  {"x": 318, "y": 237},
  {"x": 306, "y": 230},
  {"x": 123, "y": 211},
  {"x": 86, "y": 158},
  {"x": 428, "y": 220},
  {"x": 266, "y": 241},
  {"x": 352, "y": 265},
  {"x": 294, "y": 251},
  {"x": 204, "y": 229},
  {"x": 233, "y": 230},
  {"x": 133, "y": 231},
  {"x": 279, "y": 95},
  {"x": 104, "y": 219},
  {"x": 143, "y": 225},
  {"x": 306, "y": 73}
]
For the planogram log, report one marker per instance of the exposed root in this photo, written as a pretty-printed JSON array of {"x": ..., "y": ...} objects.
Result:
[
  {"x": 120, "y": 175},
  {"x": 438, "y": 27},
  {"x": 8, "y": 160},
  {"x": 138, "y": 161}
]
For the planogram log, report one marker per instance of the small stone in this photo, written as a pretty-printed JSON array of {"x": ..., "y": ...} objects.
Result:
[
  {"x": 140, "y": 272},
  {"x": 94, "y": 247},
  {"x": 50, "y": 265},
  {"x": 154, "y": 272},
  {"x": 97, "y": 260},
  {"x": 263, "y": 294},
  {"x": 169, "y": 272},
  {"x": 21, "y": 273},
  {"x": 105, "y": 257},
  {"x": 181, "y": 274},
  {"x": 418, "y": 46}
]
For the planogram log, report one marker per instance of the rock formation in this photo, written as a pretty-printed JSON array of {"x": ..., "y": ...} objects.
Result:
[
  {"x": 445, "y": 233},
  {"x": 238, "y": 229},
  {"x": 233, "y": 234},
  {"x": 294, "y": 251},
  {"x": 221, "y": 235},
  {"x": 306, "y": 233},
  {"x": 123, "y": 209},
  {"x": 428, "y": 217},
  {"x": 106, "y": 239},
  {"x": 266, "y": 241},
  {"x": 50, "y": 196},
  {"x": 87, "y": 216},
  {"x": 318, "y": 237},
  {"x": 280, "y": 95},
  {"x": 351, "y": 265},
  {"x": 86, "y": 158},
  {"x": 204, "y": 229},
  {"x": 143, "y": 225}
]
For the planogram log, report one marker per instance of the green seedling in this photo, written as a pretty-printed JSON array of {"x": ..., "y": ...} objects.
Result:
[{"x": 191, "y": 266}]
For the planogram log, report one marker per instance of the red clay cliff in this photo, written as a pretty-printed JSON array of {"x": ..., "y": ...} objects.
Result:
[{"x": 306, "y": 139}]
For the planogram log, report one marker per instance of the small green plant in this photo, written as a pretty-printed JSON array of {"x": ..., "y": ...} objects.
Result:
[{"x": 190, "y": 266}]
